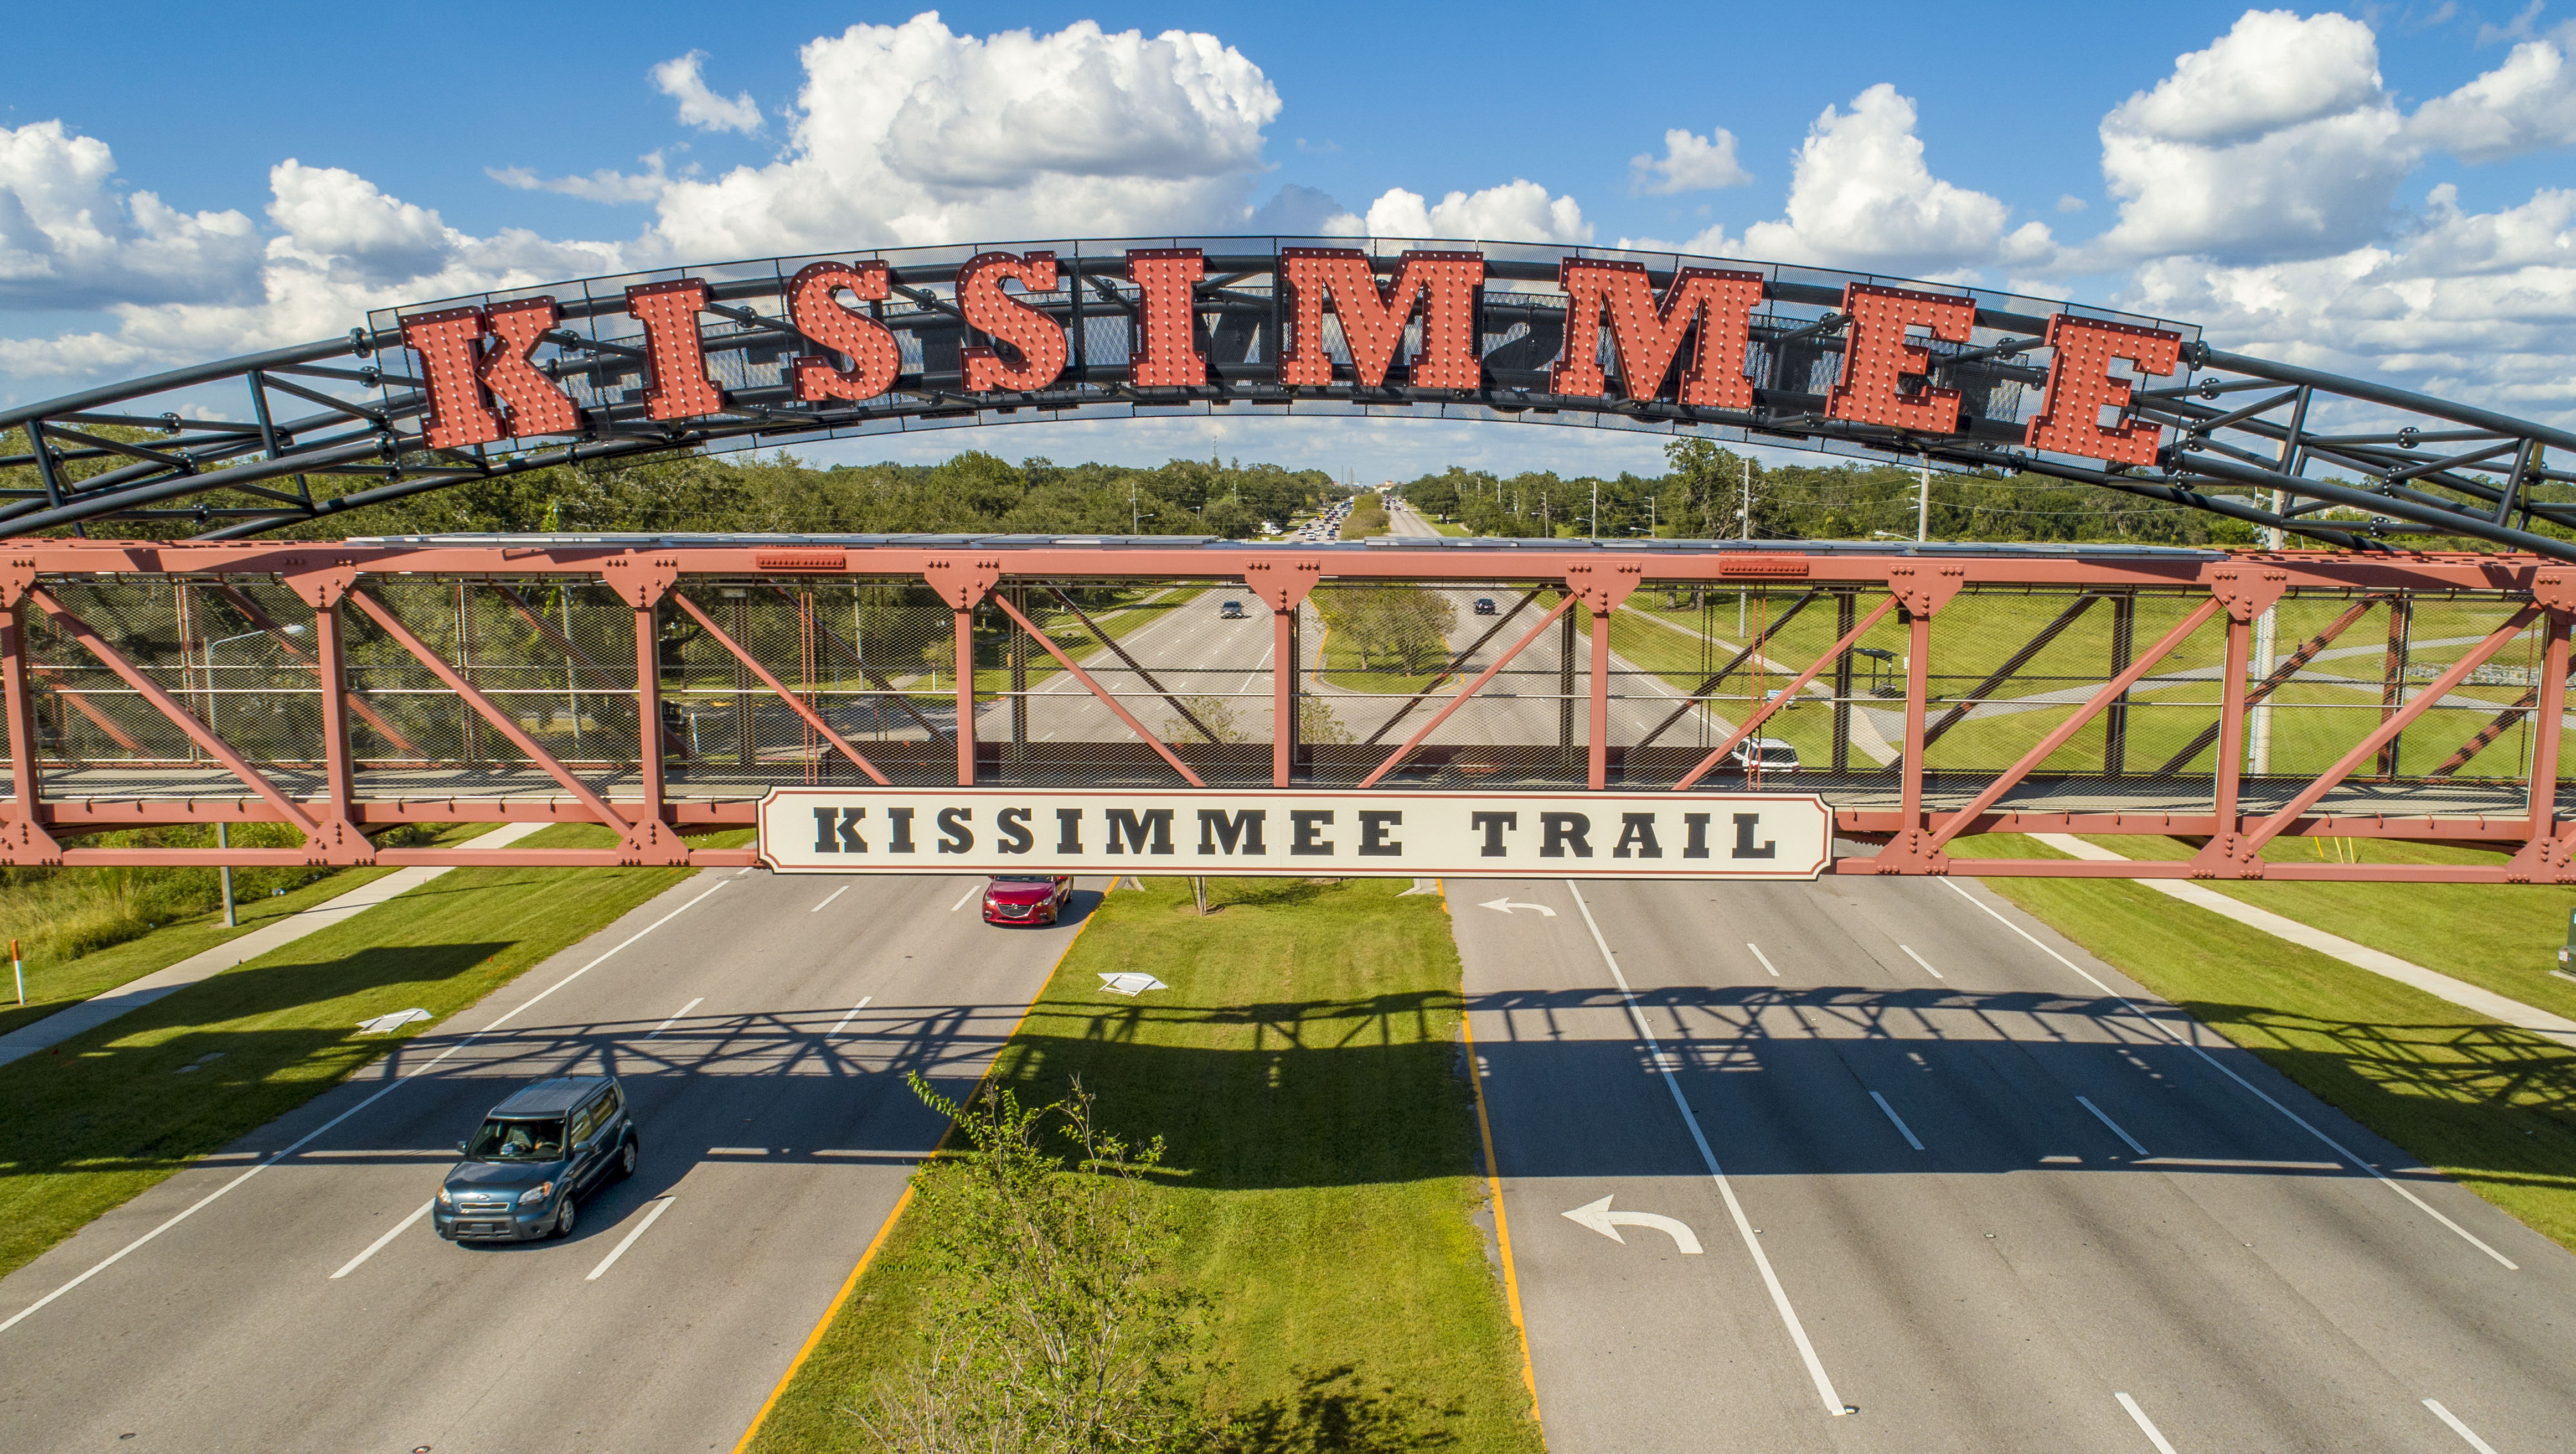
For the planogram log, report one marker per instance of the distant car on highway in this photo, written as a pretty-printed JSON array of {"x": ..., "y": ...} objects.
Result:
[
  {"x": 528, "y": 1165},
  {"x": 1484, "y": 605},
  {"x": 1232, "y": 610},
  {"x": 1026, "y": 898},
  {"x": 1768, "y": 754}
]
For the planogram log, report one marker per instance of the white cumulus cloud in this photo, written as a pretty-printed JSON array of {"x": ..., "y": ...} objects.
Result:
[
  {"x": 69, "y": 241},
  {"x": 2526, "y": 104},
  {"x": 680, "y": 79},
  {"x": 1690, "y": 163},
  {"x": 912, "y": 133},
  {"x": 1861, "y": 196},
  {"x": 1517, "y": 211},
  {"x": 2278, "y": 141}
]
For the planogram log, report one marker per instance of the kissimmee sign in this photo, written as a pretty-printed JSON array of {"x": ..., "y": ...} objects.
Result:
[
  {"x": 1270, "y": 834},
  {"x": 1687, "y": 339}
]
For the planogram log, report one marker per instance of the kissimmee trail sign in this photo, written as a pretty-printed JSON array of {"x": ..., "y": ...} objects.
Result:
[{"x": 1255, "y": 834}]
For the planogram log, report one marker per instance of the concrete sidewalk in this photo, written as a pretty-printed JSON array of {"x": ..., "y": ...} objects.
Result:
[
  {"x": 99, "y": 1009},
  {"x": 2334, "y": 946}
]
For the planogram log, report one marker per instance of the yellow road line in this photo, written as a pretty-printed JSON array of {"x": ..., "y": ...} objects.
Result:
[
  {"x": 851, "y": 1285},
  {"x": 1494, "y": 1188}
]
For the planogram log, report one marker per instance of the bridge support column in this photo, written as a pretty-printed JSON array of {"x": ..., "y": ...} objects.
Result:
[
  {"x": 342, "y": 840},
  {"x": 648, "y": 707},
  {"x": 23, "y": 839},
  {"x": 1597, "y": 775},
  {"x": 1283, "y": 694},
  {"x": 966, "y": 696},
  {"x": 2545, "y": 855}
]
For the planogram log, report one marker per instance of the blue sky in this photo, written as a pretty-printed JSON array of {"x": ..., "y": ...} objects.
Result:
[{"x": 2377, "y": 189}]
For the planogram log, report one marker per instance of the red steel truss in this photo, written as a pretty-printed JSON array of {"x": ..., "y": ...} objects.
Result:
[{"x": 172, "y": 745}]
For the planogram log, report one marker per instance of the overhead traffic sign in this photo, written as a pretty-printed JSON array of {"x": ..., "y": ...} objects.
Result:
[{"x": 1345, "y": 834}]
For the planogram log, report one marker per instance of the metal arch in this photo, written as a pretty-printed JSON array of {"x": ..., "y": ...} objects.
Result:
[{"x": 2346, "y": 462}]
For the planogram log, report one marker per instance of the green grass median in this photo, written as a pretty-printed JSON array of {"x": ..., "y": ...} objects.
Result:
[
  {"x": 1303, "y": 1067},
  {"x": 2491, "y": 1106},
  {"x": 105, "y": 1115}
]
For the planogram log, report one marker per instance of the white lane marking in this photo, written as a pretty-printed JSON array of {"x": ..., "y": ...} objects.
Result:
[
  {"x": 1901, "y": 1128},
  {"x": 299, "y": 1143},
  {"x": 1766, "y": 959},
  {"x": 1726, "y": 1191},
  {"x": 961, "y": 902},
  {"x": 2461, "y": 1429},
  {"x": 1919, "y": 959},
  {"x": 2114, "y": 1125},
  {"x": 845, "y": 1019},
  {"x": 1599, "y": 1217},
  {"x": 378, "y": 1245},
  {"x": 675, "y": 1019},
  {"x": 827, "y": 899},
  {"x": 660, "y": 1205},
  {"x": 2146, "y": 1425},
  {"x": 2250, "y": 1089}
]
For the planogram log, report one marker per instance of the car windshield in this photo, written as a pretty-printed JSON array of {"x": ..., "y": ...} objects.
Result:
[{"x": 501, "y": 1140}]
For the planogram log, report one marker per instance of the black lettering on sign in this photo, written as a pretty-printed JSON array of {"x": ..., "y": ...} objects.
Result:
[
  {"x": 1305, "y": 821},
  {"x": 1562, "y": 829},
  {"x": 1218, "y": 826},
  {"x": 954, "y": 836},
  {"x": 1745, "y": 823},
  {"x": 1125, "y": 823},
  {"x": 1014, "y": 823},
  {"x": 1493, "y": 825},
  {"x": 1637, "y": 829},
  {"x": 841, "y": 836},
  {"x": 1698, "y": 845},
  {"x": 1373, "y": 840},
  {"x": 1068, "y": 830},
  {"x": 902, "y": 830}
]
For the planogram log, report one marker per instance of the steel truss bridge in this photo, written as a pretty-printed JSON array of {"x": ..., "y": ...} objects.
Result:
[{"x": 656, "y": 687}]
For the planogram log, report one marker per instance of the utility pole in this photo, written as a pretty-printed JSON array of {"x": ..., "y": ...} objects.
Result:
[
  {"x": 1135, "y": 518},
  {"x": 1596, "y": 509},
  {"x": 2258, "y": 738},
  {"x": 1923, "y": 498}
]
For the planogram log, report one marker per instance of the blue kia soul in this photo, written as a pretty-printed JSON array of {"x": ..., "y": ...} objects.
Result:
[{"x": 536, "y": 1154}]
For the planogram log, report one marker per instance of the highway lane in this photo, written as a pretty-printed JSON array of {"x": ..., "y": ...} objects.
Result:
[
  {"x": 777, "y": 1135},
  {"x": 2245, "y": 1283}
]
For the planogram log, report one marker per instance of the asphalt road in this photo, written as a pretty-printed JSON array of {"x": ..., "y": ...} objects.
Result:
[
  {"x": 2240, "y": 1280},
  {"x": 777, "y": 1135}
]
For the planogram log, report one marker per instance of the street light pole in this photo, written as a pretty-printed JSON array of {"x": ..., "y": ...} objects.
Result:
[{"x": 1923, "y": 498}]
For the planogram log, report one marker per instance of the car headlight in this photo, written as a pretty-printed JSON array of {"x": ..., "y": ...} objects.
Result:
[
  {"x": 536, "y": 1194},
  {"x": 444, "y": 1199}
]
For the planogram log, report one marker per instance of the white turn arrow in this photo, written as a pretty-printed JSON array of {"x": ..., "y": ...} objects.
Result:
[
  {"x": 1506, "y": 906},
  {"x": 1601, "y": 1219}
]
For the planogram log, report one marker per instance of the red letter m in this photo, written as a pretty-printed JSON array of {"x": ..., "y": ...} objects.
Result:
[
  {"x": 1646, "y": 336},
  {"x": 1373, "y": 322}
]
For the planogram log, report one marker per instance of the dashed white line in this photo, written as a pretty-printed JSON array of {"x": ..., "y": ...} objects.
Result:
[
  {"x": 2146, "y": 1425},
  {"x": 827, "y": 899},
  {"x": 675, "y": 1019},
  {"x": 845, "y": 1019},
  {"x": 2461, "y": 1429},
  {"x": 660, "y": 1205},
  {"x": 1919, "y": 959},
  {"x": 2294, "y": 1118},
  {"x": 2114, "y": 1125},
  {"x": 378, "y": 1245},
  {"x": 1834, "y": 1405},
  {"x": 1766, "y": 959},
  {"x": 963, "y": 898},
  {"x": 1901, "y": 1128},
  {"x": 300, "y": 1142}
]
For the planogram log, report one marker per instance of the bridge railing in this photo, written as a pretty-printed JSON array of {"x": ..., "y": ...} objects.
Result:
[{"x": 658, "y": 687}]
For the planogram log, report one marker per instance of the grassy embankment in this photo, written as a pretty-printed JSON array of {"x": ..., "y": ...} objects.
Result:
[
  {"x": 2488, "y": 1105},
  {"x": 1304, "y": 1066},
  {"x": 102, "y": 1116},
  {"x": 1367, "y": 518},
  {"x": 85, "y": 931}
]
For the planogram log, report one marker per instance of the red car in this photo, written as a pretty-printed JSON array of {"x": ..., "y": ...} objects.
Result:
[{"x": 1026, "y": 899}]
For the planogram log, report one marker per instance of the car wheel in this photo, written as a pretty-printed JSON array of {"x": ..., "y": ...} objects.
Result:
[
  {"x": 626, "y": 1161},
  {"x": 567, "y": 1217}
]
